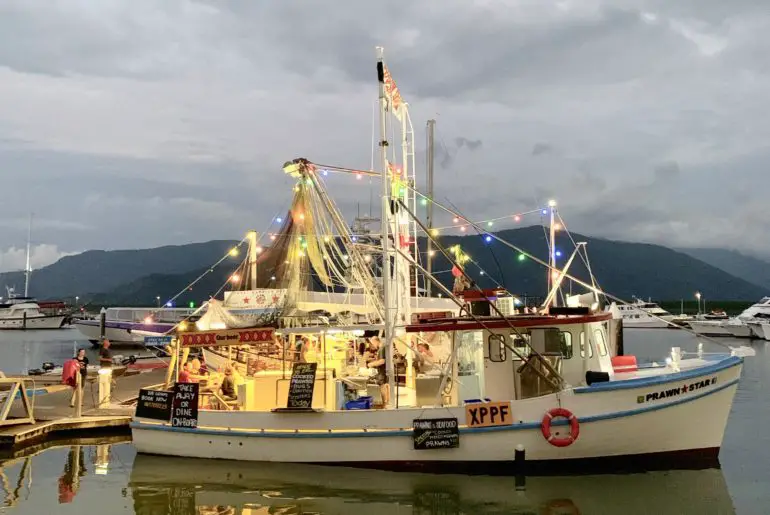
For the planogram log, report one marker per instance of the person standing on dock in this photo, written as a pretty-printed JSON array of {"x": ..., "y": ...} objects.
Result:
[
  {"x": 105, "y": 355},
  {"x": 83, "y": 361}
]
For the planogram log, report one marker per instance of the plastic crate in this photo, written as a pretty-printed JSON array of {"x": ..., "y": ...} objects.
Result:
[{"x": 360, "y": 403}]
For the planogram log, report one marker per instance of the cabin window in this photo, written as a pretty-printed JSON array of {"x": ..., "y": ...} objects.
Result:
[
  {"x": 558, "y": 343},
  {"x": 600, "y": 343},
  {"x": 520, "y": 343},
  {"x": 583, "y": 346},
  {"x": 497, "y": 350}
]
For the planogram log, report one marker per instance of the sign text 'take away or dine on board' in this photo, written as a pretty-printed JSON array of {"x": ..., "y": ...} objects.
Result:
[{"x": 184, "y": 405}]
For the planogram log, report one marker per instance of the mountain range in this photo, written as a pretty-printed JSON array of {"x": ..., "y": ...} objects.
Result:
[{"x": 623, "y": 269}]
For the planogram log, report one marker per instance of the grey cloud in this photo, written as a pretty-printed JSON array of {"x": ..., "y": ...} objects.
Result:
[
  {"x": 474, "y": 144},
  {"x": 667, "y": 171},
  {"x": 169, "y": 121},
  {"x": 541, "y": 149}
]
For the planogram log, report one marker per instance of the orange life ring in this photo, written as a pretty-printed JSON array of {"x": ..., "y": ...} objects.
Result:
[{"x": 574, "y": 427}]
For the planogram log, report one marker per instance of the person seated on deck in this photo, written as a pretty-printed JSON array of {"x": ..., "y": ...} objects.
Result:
[
  {"x": 228, "y": 385},
  {"x": 186, "y": 375},
  {"x": 195, "y": 365}
]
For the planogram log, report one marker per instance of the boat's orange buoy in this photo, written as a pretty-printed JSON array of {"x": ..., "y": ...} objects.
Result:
[{"x": 574, "y": 427}]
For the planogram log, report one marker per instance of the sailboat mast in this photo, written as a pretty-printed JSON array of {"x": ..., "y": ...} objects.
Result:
[
  {"x": 552, "y": 249},
  {"x": 27, "y": 267},
  {"x": 252, "y": 237},
  {"x": 387, "y": 278},
  {"x": 429, "y": 167}
]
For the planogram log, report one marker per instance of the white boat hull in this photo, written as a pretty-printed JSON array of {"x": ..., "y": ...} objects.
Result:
[
  {"x": 33, "y": 323},
  {"x": 739, "y": 330},
  {"x": 645, "y": 323},
  {"x": 114, "y": 334},
  {"x": 709, "y": 328},
  {"x": 615, "y": 420}
]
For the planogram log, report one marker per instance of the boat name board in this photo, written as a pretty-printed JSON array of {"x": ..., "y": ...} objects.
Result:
[
  {"x": 673, "y": 392},
  {"x": 435, "y": 433},
  {"x": 151, "y": 341},
  {"x": 301, "y": 385},
  {"x": 224, "y": 338},
  {"x": 184, "y": 411},
  {"x": 154, "y": 404},
  {"x": 488, "y": 414}
]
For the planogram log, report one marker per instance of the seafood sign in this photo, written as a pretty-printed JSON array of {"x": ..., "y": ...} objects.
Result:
[{"x": 435, "y": 433}]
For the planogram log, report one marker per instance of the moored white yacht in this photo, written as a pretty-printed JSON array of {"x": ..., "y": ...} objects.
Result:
[
  {"x": 24, "y": 313},
  {"x": 748, "y": 324},
  {"x": 507, "y": 391},
  {"x": 641, "y": 314}
]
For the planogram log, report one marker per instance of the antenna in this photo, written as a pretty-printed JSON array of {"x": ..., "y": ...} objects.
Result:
[{"x": 27, "y": 267}]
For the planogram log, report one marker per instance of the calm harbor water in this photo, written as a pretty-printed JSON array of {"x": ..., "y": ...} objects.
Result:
[{"x": 105, "y": 476}]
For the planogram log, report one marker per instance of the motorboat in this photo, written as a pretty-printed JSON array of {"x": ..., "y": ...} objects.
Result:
[
  {"x": 130, "y": 325},
  {"x": 746, "y": 325},
  {"x": 24, "y": 313},
  {"x": 643, "y": 315}
]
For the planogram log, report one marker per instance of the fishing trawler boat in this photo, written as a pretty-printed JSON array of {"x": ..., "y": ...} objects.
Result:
[
  {"x": 124, "y": 325},
  {"x": 507, "y": 391}
]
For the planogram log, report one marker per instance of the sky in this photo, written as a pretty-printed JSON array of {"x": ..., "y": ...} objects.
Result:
[{"x": 145, "y": 123}]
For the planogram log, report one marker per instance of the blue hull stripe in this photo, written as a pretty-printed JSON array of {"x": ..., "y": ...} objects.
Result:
[
  {"x": 642, "y": 382},
  {"x": 406, "y": 432}
]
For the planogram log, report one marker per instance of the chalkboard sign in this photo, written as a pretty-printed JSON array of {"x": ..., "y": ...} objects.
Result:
[
  {"x": 185, "y": 405},
  {"x": 301, "y": 386},
  {"x": 154, "y": 404},
  {"x": 435, "y": 433}
]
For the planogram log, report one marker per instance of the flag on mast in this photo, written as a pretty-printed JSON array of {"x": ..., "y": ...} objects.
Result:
[{"x": 393, "y": 95}]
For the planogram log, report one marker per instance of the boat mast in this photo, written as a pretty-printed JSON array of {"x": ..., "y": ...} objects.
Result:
[
  {"x": 387, "y": 278},
  {"x": 252, "y": 238},
  {"x": 27, "y": 267},
  {"x": 552, "y": 250},
  {"x": 429, "y": 168}
]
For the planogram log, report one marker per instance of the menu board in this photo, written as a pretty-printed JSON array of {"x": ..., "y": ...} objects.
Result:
[
  {"x": 435, "y": 433},
  {"x": 301, "y": 386},
  {"x": 154, "y": 404},
  {"x": 184, "y": 412}
]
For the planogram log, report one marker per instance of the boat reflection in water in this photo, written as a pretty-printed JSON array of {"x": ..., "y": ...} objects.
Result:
[{"x": 186, "y": 486}]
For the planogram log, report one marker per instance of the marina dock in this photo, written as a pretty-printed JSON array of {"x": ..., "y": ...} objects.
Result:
[{"x": 47, "y": 413}]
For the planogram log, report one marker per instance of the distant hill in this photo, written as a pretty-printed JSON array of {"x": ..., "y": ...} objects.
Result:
[
  {"x": 98, "y": 271},
  {"x": 622, "y": 269},
  {"x": 733, "y": 262}
]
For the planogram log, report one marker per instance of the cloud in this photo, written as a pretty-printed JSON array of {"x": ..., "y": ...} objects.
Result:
[
  {"x": 169, "y": 121},
  {"x": 13, "y": 258},
  {"x": 541, "y": 149}
]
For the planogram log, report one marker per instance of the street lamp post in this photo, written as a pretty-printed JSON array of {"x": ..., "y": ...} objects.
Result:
[
  {"x": 158, "y": 299},
  {"x": 698, "y": 296}
]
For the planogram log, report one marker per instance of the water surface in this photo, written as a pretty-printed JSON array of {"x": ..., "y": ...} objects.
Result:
[{"x": 105, "y": 476}]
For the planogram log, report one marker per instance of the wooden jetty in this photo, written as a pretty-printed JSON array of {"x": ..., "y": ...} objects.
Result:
[{"x": 27, "y": 419}]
